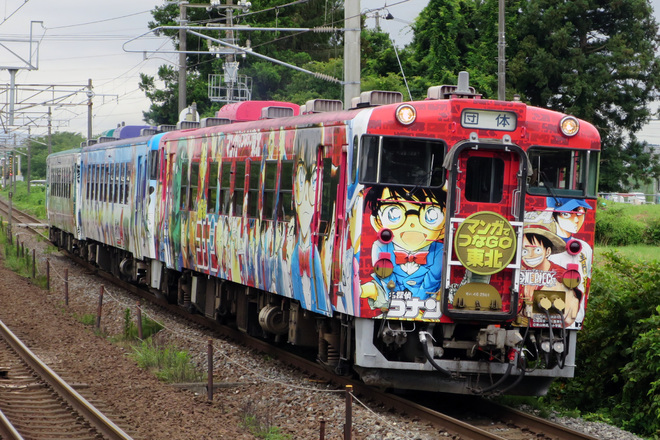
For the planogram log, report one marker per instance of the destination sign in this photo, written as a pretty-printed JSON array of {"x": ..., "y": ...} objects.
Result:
[{"x": 489, "y": 120}]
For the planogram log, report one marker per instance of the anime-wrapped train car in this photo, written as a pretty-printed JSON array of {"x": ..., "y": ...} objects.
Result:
[{"x": 443, "y": 244}]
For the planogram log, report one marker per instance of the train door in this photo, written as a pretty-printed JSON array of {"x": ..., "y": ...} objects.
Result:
[{"x": 485, "y": 213}]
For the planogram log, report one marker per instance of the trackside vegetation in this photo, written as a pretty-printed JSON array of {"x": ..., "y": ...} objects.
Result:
[{"x": 618, "y": 360}]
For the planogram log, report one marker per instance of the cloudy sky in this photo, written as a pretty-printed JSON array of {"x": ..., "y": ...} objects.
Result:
[{"x": 81, "y": 40}]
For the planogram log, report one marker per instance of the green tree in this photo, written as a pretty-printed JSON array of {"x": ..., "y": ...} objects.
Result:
[
  {"x": 308, "y": 50},
  {"x": 455, "y": 35},
  {"x": 596, "y": 60},
  {"x": 39, "y": 151}
]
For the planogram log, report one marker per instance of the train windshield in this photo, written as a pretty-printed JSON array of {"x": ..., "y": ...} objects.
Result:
[
  {"x": 401, "y": 161},
  {"x": 563, "y": 172}
]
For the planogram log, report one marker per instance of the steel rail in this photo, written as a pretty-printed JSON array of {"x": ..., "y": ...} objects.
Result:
[
  {"x": 531, "y": 422},
  {"x": 98, "y": 420},
  {"x": 7, "y": 430}
]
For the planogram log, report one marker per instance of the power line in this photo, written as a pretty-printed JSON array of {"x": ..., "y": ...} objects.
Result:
[{"x": 98, "y": 21}]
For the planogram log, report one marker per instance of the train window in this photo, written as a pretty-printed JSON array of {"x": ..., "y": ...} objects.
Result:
[
  {"x": 329, "y": 191},
  {"x": 183, "y": 193},
  {"x": 354, "y": 161},
  {"x": 239, "y": 186},
  {"x": 119, "y": 196},
  {"x": 212, "y": 192},
  {"x": 270, "y": 188},
  {"x": 194, "y": 182},
  {"x": 254, "y": 189},
  {"x": 87, "y": 182},
  {"x": 484, "y": 179},
  {"x": 153, "y": 164},
  {"x": 563, "y": 172},
  {"x": 113, "y": 183},
  {"x": 103, "y": 174},
  {"x": 401, "y": 161},
  {"x": 225, "y": 190},
  {"x": 96, "y": 182},
  {"x": 90, "y": 178},
  {"x": 127, "y": 183},
  {"x": 106, "y": 170},
  {"x": 285, "y": 209}
]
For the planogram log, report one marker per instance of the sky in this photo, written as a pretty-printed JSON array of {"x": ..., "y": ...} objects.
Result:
[{"x": 82, "y": 40}]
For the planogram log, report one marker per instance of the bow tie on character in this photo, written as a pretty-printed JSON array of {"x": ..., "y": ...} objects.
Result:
[
  {"x": 303, "y": 262},
  {"x": 405, "y": 257}
]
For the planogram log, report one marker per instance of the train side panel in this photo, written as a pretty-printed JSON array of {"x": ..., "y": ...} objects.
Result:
[
  {"x": 271, "y": 221},
  {"x": 114, "y": 194},
  {"x": 62, "y": 186}
]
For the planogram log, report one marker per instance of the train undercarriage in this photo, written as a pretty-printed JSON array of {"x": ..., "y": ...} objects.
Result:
[{"x": 463, "y": 358}]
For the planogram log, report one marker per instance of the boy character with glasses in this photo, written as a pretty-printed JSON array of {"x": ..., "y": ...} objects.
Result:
[
  {"x": 307, "y": 275},
  {"x": 407, "y": 256}
]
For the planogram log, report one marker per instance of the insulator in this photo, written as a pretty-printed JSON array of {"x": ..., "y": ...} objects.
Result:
[
  {"x": 323, "y": 29},
  {"x": 326, "y": 77}
]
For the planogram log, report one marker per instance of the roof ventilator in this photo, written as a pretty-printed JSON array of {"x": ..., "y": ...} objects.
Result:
[
  {"x": 321, "y": 106},
  {"x": 462, "y": 90},
  {"x": 166, "y": 127},
  {"x": 149, "y": 131},
  {"x": 102, "y": 139},
  {"x": 212, "y": 122},
  {"x": 376, "y": 97},
  {"x": 185, "y": 125},
  {"x": 274, "y": 112}
]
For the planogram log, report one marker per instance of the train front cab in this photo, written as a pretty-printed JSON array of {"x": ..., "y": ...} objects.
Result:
[{"x": 483, "y": 331}]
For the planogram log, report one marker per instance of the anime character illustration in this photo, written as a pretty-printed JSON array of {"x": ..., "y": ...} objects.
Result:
[
  {"x": 407, "y": 257},
  {"x": 540, "y": 273},
  {"x": 568, "y": 216},
  {"x": 307, "y": 274}
]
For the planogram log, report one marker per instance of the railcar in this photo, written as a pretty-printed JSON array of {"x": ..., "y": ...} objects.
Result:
[
  {"x": 443, "y": 244},
  {"x": 63, "y": 182}
]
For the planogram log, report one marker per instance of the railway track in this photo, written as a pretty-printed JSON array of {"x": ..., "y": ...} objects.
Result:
[
  {"x": 493, "y": 422},
  {"x": 20, "y": 219},
  {"x": 37, "y": 404}
]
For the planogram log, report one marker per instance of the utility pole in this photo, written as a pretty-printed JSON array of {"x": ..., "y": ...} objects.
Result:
[
  {"x": 501, "y": 53},
  {"x": 29, "y": 159},
  {"x": 183, "y": 21},
  {"x": 90, "y": 95},
  {"x": 351, "y": 51},
  {"x": 230, "y": 59},
  {"x": 50, "y": 129}
]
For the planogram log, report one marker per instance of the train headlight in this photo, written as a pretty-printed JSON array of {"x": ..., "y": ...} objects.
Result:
[
  {"x": 569, "y": 125},
  {"x": 406, "y": 114}
]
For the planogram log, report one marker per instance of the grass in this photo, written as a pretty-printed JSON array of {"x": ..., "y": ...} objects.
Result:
[
  {"x": 636, "y": 252},
  {"x": 86, "y": 319},
  {"x": 18, "y": 259},
  {"x": 33, "y": 203},
  {"x": 167, "y": 362},
  {"x": 258, "y": 422},
  {"x": 149, "y": 327}
]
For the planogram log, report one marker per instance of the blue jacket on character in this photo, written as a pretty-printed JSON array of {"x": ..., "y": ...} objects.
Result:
[
  {"x": 422, "y": 283},
  {"x": 319, "y": 302}
]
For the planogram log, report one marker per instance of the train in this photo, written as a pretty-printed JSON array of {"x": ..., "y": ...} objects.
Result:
[{"x": 443, "y": 245}]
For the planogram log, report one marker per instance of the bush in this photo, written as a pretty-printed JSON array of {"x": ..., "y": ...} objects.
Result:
[
  {"x": 653, "y": 232},
  {"x": 614, "y": 227},
  {"x": 618, "y": 359}
]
